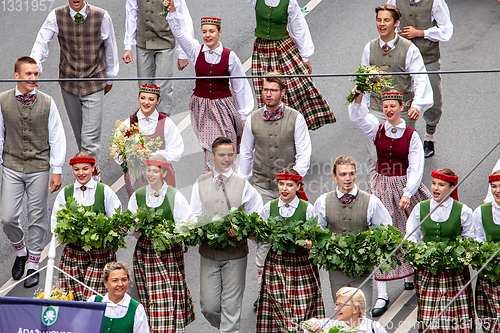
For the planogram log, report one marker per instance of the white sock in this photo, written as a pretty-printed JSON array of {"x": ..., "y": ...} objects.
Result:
[
  {"x": 428, "y": 137},
  {"x": 20, "y": 248},
  {"x": 382, "y": 293},
  {"x": 409, "y": 279},
  {"x": 34, "y": 260}
]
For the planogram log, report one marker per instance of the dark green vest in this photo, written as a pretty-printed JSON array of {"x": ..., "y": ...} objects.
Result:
[
  {"x": 119, "y": 325},
  {"x": 271, "y": 21},
  {"x": 490, "y": 228},
  {"x": 98, "y": 206},
  {"x": 298, "y": 215},
  {"x": 167, "y": 205},
  {"x": 441, "y": 231}
]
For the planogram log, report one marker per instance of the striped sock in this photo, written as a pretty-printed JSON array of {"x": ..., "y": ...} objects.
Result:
[
  {"x": 34, "y": 260},
  {"x": 20, "y": 248}
]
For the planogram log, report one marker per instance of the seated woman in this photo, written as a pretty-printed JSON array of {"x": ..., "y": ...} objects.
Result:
[
  {"x": 448, "y": 220},
  {"x": 123, "y": 314},
  {"x": 161, "y": 280},
  {"x": 85, "y": 266},
  {"x": 352, "y": 314},
  {"x": 290, "y": 290},
  {"x": 152, "y": 125}
]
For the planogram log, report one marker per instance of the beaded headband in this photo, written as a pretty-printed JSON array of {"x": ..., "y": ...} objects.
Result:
[
  {"x": 211, "y": 20},
  {"x": 286, "y": 176},
  {"x": 75, "y": 160},
  {"x": 493, "y": 178},
  {"x": 446, "y": 178},
  {"x": 392, "y": 95},
  {"x": 150, "y": 89},
  {"x": 161, "y": 164}
]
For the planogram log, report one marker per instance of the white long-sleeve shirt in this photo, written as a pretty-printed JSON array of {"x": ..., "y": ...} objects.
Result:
[
  {"x": 85, "y": 198},
  {"x": 369, "y": 124},
  {"x": 240, "y": 87},
  {"x": 478, "y": 222},
  {"x": 441, "y": 214},
  {"x": 40, "y": 51},
  {"x": 302, "y": 141},
  {"x": 174, "y": 145},
  {"x": 120, "y": 309},
  {"x": 57, "y": 138},
  {"x": 181, "y": 205},
  {"x": 414, "y": 63},
  {"x": 251, "y": 198},
  {"x": 286, "y": 210},
  {"x": 375, "y": 214},
  {"x": 131, "y": 11},
  {"x": 298, "y": 29},
  {"x": 440, "y": 13}
]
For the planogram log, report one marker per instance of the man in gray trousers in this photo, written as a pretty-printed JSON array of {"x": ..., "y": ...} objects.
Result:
[{"x": 223, "y": 270}]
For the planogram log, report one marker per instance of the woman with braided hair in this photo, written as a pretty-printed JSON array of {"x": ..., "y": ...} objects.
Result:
[{"x": 449, "y": 219}]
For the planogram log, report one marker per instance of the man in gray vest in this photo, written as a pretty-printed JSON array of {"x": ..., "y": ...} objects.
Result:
[
  {"x": 397, "y": 54},
  {"x": 155, "y": 44},
  {"x": 223, "y": 270},
  {"x": 32, "y": 140},
  {"x": 426, "y": 23},
  {"x": 87, "y": 50},
  {"x": 275, "y": 136},
  {"x": 346, "y": 209}
]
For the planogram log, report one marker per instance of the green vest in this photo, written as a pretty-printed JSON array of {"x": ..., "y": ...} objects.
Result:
[
  {"x": 490, "y": 228},
  {"x": 119, "y": 325},
  {"x": 298, "y": 215},
  {"x": 271, "y": 21},
  {"x": 441, "y": 231},
  {"x": 167, "y": 205},
  {"x": 98, "y": 206}
]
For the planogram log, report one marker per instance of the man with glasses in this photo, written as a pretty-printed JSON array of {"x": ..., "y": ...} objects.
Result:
[{"x": 275, "y": 137}]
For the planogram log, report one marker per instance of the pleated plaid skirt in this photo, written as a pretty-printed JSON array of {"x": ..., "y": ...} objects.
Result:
[
  {"x": 212, "y": 118},
  {"x": 290, "y": 293},
  {"x": 488, "y": 304},
  {"x": 162, "y": 287},
  {"x": 301, "y": 93},
  {"x": 389, "y": 189},
  {"x": 434, "y": 292},
  {"x": 86, "y": 267}
]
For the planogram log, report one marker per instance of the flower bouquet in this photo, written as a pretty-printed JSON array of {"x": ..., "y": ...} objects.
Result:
[
  {"x": 375, "y": 82},
  {"x": 309, "y": 326},
  {"x": 131, "y": 147},
  {"x": 56, "y": 294}
]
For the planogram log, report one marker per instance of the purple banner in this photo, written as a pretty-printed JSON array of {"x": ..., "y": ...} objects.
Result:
[{"x": 24, "y": 315}]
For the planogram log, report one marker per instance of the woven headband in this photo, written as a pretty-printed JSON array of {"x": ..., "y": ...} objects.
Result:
[
  {"x": 150, "y": 89},
  {"x": 392, "y": 95},
  {"x": 75, "y": 160},
  {"x": 286, "y": 176},
  {"x": 446, "y": 178},
  {"x": 161, "y": 164},
  {"x": 493, "y": 178},
  {"x": 211, "y": 20}
]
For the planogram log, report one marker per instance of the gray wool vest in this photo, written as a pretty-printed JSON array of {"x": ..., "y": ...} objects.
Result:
[
  {"x": 342, "y": 218},
  {"x": 419, "y": 16},
  {"x": 26, "y": 146},
  {"x": 153, "y": 31},
  {"x": 214, "y": 203},
  {"x": 274, "y": 146},
  {"x": 395, "y": 61}
]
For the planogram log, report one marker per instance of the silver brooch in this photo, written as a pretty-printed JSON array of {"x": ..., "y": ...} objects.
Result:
[{"x": 394, "y": 130}]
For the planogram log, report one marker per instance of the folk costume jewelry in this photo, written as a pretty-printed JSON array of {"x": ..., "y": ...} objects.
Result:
[
  {"x": 447, "y": 178},
  {"x": 297, "y": 178},
  {"x": 170, "y": 177},
  {"x": 83, "y": 159}
]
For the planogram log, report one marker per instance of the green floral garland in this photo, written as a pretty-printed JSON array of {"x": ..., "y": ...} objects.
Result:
[{"x": 486, "y": 251}]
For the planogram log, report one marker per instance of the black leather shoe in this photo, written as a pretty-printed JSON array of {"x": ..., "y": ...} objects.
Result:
[
  {"x": 377, "y": 312},
  {"x": 32, "y": 280},
  {"x": 255, "y": 304},
  {"x": 409, "y": 286},
  {"x": 18, "y": 268},
  {"x": 428, "y": 149}
]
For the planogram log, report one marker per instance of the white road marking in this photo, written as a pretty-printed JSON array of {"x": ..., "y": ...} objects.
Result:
[
  {"x": 409, "y": 323},
  {"x": 396, "y": 307}
]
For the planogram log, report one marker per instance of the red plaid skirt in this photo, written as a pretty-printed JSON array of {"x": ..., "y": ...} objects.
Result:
[
  {"x": 434, "y": 292},
  {"x": 290, "y": 293},
  {"x": 162, "y": 287},
  {"x": 488, "y": 304},
  {"x": 86, "y": 267}
]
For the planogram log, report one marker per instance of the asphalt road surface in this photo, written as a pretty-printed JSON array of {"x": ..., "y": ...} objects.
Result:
[{"x": 340, "y": 29}]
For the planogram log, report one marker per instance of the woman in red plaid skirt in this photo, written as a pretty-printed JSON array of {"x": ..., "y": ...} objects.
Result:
[
  {"x": 397, "y": 181},
  {"x": 85, "y": 266},
  {"x": 160, "y": 279},
  {"x": 487, "y": 224},
  {"x": 448, "y": 219},
  {"x": 290, "y": 290}
]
